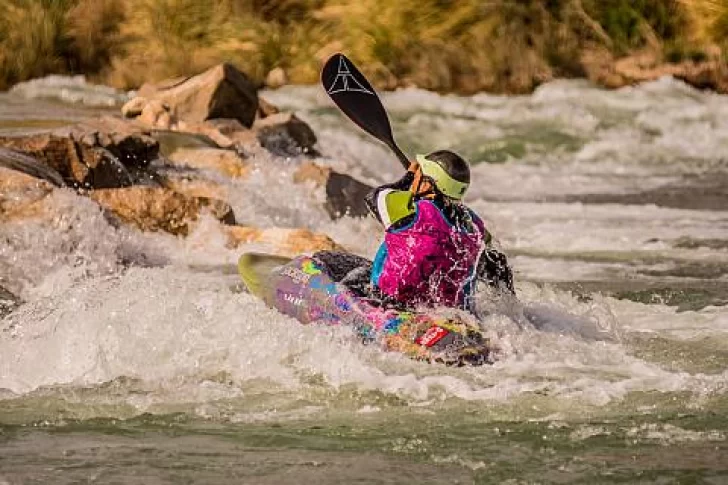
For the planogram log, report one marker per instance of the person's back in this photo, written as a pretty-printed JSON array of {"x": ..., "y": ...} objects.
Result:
[{"x": 433, "y": 242}]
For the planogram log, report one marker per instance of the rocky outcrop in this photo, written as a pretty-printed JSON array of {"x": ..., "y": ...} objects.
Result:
[
  {"x": 133, "y": 145},
  {"x": 222, "y": 105},
  {"x": 160, "y": 209},
  {"x": 160, "y": 168},
  {"x": 99, "y": 153},
  {"x": 344, "y": 194},
  {"x": 286, "y": 242},
  {"x": 220, "y": 92}
]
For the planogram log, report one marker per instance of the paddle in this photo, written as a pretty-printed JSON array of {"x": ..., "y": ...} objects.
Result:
[{"x": 353, "y": 94}]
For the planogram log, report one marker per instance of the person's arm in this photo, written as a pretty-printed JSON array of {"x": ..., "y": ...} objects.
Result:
[
  {"x": 392, "y": 204},
  {"x": 493, "y": 268}
]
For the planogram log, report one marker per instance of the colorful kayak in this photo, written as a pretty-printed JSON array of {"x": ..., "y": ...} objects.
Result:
[{"x": 301, "y": 288}]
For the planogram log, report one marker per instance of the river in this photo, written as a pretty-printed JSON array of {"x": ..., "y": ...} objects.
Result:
[{"x": 136, "y": 359}]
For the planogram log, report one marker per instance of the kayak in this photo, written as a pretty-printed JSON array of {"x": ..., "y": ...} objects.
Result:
[{"x": 302, "y": 288}]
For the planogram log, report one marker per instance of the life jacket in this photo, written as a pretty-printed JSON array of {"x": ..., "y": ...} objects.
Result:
[{"x": 430, "y": 261}]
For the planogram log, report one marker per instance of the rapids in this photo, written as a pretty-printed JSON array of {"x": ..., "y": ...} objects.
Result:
[{"x": 613, "y": 210}]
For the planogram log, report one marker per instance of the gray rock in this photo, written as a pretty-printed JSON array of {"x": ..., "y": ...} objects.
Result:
[
  {"x": 344, "y": 194},
  {"x": 286, "y": 135}
]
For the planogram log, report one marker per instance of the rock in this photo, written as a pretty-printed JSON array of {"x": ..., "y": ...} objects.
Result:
[
  {"x": 8, "y": 302},
  {"x": 18, "y": 161},
  {"x": 197, "y": 187},
  {"x": 134, "y": 107},
  {"x": 285, "y": 135},
  {"x": 133, "y": 145},
  {"x": 344, "y": 194},
  {"x": 78, "y": 164},
  {"x": 226, "y": 162},
  {"x": 312, "y": 172},
  {"x": 99, "y": 169},
  {"x": 220, "y": 92},
  {"x": 99, "y": 153},
  {"x": 266, "y": 108},
  {"x": 283, "y": 241},
  {"x": 157, "y": 114},
  {"x": 276, "y": 78},
  {"x": 160, "y": 209},
  {"x": 648, "y": 65},
  {"x": 54, "y": 151},
  {"x": 171, "y": 141},
  {"x": 22, "y": 196}
]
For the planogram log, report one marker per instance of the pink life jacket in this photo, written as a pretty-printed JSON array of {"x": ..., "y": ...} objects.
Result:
[{"x": 430, "y": 262}]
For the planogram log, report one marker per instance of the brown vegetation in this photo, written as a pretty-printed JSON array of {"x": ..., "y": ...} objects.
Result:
[{"x": 447, "y": 45}]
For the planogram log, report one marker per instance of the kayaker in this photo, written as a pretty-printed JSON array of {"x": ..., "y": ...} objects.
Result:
[{"x": 435, "y": 248}]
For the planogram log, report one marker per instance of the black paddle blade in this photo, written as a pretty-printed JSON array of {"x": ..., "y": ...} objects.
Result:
[{"x": 353, "y": 94}]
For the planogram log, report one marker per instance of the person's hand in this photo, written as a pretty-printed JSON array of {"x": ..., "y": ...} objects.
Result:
[{"x": 414, "y": 168}]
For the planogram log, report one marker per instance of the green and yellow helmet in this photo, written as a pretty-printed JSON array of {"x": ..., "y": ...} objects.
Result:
[{"x": 448, "y": 171}]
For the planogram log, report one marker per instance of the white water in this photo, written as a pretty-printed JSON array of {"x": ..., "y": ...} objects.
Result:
[
  {"x": 71, "y": 89},
  {"x": 188, "y": 341}
]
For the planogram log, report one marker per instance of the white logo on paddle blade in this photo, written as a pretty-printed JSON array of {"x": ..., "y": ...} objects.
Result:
[{"x": 345, "y": 81}]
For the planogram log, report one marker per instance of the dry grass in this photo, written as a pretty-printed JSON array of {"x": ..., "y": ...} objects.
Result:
[{"x": 462, "y": 45}]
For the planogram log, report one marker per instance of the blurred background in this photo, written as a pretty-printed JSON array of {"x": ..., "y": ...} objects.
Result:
[{"x": 464, "y": 46}]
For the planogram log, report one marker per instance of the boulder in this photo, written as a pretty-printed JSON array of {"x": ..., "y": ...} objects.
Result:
[
  {"x": 276, "y": 78},
  {"x": 344, "y": 194},
  {"x": 283, "y": 241},
  {"x": 133, "y": 145},
  {"x": 226, "y": 162},
  {"x": 220, "y": 92},
  {"x": 97, "y": 168},
  {"x": 285, "y": 135},
  {"x": 22, "y": 196},
  {"x": 100, "y": 153},
  {"x": 160, "y": 209},
  {"x": 79, "y": 165}
]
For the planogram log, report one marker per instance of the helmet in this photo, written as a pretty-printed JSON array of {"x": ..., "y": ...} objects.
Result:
[{"x": 448, "y": 171}]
